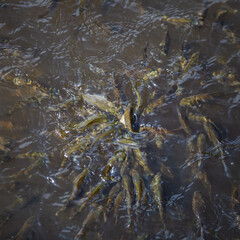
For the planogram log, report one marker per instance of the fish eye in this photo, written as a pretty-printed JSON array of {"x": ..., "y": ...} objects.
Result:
[{"x": 134, "y": 118}]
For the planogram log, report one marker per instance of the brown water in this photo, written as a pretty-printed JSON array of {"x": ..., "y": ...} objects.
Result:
[{"x": 51, "y": 52}]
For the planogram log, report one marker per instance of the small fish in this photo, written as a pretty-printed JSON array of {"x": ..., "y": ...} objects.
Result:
[
  {"x": 102, "y": 103},
  {"x": 183, "y": 123},
  {"x": 127, "y": 142},
  {"x": 111, "y": 162},
  {"x": 51, "y": 7},
  {"x": 91, "y": 121},
  {"x": 236, "y": 203},
  {"x": 7, "y": 213},
  {"x": 141, "y": 160},
  {"x": 124, "y": 166},
  {"x": 81, "y": 146},
  {"x": 6, "y": 125},
  {"x": 28, "y": 169},
  {"x": 211, "y": 128},
  {"x": 195, "y": 99},
  {"x": 27, "y": 231},
  {"x": 93, "y": 215},
  {"x": 201, "y": 140},
  {"x": 113, "y": 193},
  {"x": 128, "y": 189},
  {"x": 138, "y": 185},
  {"x": 202, "y": 175},
  {"x": 88, "y": 196},
  {"x": 119, "y": 200},
  {"x": 222, "y": 13},
  {"x": 202, "y": 15},
  {"x": 105, "y": 132},
  {"x": 77, "y": 183},
  {"x": 165, "y": 44},
  {"x": 157, "y": 192},
  {"x": 155, "y": 104},
  {"x": 198, "y": 206},
  {"x": 19, "y": 204},
  {"x": 190, "y": 63},
  {"x": 166, "y": 171},
  {"x": 144, "y": 58},
  {"x": 178, "y": 21},
  {"x": 150, "y": 75}
]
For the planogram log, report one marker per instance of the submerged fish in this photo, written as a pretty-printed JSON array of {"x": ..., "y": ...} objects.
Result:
[
  {"x": 113, "y": 193},
  {"x": 128, "y": 189},
  {"x": 201, "y": 140},
  {"x": 77, "y": 183},
  {"x": 91, "y": 121},
  {"x": 157, "y": 192},
  {"x": 198, "y": 206},
  {"x": 102, "y": 103},
  {"x": 165, "y": 44},
  {"x": 202, "y": 15},
  {"x": 27, "y": 231},
  {"x": 51, "y": 7},
  {"x": 138, "y": 185},
  {"x": 93, "y": 215},
  {"x": 141, "y": 160},
  {"x": 88, "y": 196},
  {"x": 119, "y": 200}
]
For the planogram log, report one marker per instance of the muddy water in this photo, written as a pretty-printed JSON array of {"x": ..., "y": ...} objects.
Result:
[{"x": 52, "y": 52}]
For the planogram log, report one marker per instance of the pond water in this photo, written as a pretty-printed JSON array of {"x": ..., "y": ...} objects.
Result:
[{"x": 71, "y": 167}]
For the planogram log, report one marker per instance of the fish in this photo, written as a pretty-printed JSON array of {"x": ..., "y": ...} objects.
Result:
[
  {"x": 157, "y": 192},
  {"x": 91, "y": 121},
  {"x": 28, "y": 169},
  {"x": 165, "y": 44},
  {"x": 144, "y": 58},
  {"x": 166, "y": 171},
  {"x": 199, "y": 208},
  {"x": 202, "y": 15},
  {"x": 127, "y": 142},
  {"x": 52, "y": 5},
  {"x": 19, "y": 204},
  {"x": 141, "y": 160},
  {"x": 178, "y": 21},
  {"x": 124, "y": 166},
  {"x": 150, "y": 75},
  {"x": 202, "y": 175},
  {"x": 211, "y": 128},
  {"x": 6, "y": 125},
  {"x": 81, "y": 145},
  {"x": 88, "y": 196},
  {"x": 102, "y": 103},
  {"x": 113, "y": 193},
  {"x": 128, "y": 189},
  {"x": 191, "y": 62},
  {"x": 201, "y": 140},
  {"x": 92, "y": 216},
  {"x": 111, "y": 162},
  {"x": 155, "y": 104},
  {"x": 27, "y": 231},
  {"x": 195, "y": 99},
  {"x": 119, "y": 200},
  {"x": 77, "y": 183},
  {"x": 106, "y": 132},
  {"x": 138, "y": 185},
  {"x": 183, "y": 123}
]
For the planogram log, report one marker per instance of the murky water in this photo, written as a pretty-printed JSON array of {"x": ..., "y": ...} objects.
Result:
[{"x": 70, "y": 168}]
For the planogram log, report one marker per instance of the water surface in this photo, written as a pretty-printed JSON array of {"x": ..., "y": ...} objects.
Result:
[{"x": 51, "y": 52}]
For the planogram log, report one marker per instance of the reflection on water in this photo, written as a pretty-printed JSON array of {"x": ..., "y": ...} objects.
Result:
[{"x": 119, "y": 119}]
